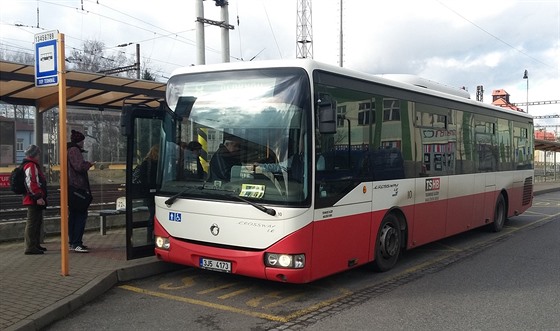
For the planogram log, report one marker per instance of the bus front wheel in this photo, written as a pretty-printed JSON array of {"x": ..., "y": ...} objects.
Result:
[
  {"x": 388, "y": 244},
  {"x": 500, "y": 215}
]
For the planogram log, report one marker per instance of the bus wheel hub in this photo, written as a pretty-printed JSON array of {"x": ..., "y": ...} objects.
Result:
[{"x": 389, "y": 241}]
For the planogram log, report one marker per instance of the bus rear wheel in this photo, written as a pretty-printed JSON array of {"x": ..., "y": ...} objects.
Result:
[{"x": 387, "y": 244}]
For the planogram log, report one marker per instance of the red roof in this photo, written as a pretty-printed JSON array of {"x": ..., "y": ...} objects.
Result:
[{"x": 501, "y": 102}]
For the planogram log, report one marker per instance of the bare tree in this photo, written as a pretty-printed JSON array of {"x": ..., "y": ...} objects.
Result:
[
  {"x": 93, "y": 58},
  {"x": 17, "y": 57}
]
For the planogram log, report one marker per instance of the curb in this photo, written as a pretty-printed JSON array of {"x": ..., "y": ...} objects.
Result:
[{"x": 92, "y": 290}]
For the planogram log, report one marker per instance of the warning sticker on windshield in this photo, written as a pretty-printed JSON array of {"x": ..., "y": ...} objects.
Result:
[{"x": 252, "y": 191}]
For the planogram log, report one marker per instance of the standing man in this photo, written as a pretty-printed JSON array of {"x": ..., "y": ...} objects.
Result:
[
  {"x": 35, "y": 199},
  {"x": 77, "y": 178}
]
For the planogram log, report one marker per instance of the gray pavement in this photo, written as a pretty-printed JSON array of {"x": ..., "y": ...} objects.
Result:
[{"x": 33, "y": 293}]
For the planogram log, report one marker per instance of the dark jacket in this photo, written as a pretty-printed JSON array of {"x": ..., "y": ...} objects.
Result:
[
  {"x": 77, "y": 167},
  {"x": 221, "y": 164}
]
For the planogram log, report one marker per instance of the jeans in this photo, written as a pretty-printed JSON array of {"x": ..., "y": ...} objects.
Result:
[{"x": 76, "y": 227}]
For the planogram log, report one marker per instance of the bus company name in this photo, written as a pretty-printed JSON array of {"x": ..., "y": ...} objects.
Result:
[
  {"x": 432, "y": 184},
  {"x": 432, "y": 189}
]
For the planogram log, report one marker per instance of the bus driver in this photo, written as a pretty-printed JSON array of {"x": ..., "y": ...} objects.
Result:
[{"x": 224, "y": 159}]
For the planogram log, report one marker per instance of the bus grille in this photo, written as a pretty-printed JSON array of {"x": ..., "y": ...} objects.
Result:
[{"x": 527, "y": 191}]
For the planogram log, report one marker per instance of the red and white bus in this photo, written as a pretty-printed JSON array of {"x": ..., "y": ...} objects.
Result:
[{"x": 327, "y": 169}]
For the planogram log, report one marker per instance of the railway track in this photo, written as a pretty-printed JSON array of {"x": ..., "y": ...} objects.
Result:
[{"x": 11, "y": 208}]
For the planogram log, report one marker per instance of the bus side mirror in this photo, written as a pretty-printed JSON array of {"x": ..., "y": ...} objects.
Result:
[
  {"x": 184, "y": 106},
  {"x": 327, "y": 114}
]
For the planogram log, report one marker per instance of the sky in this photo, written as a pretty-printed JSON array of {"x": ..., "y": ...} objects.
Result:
[{"x": 456, "y": 43}]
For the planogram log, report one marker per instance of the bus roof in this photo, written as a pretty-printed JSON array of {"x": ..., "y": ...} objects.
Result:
[{"x": 403, "y": 81}]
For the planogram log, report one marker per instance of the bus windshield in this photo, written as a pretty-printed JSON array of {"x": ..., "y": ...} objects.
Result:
[{"x": 245, "y": 136}]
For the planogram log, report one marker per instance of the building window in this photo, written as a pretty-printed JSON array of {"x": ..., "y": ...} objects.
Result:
[
  {"x": 365, "y": 113},
  {"x": 19, "y": 145},
  {"x": 391, "y": 110},
  {"x": 340, "y": 116}
]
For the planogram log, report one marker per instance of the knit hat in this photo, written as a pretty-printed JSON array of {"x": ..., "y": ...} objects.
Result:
[
  {"x": 76, "y": 136},
  {"x": 32, "y": 151}
]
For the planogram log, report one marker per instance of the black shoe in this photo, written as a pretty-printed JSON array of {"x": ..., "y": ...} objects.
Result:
[
  {"x": 34, "y": 251},
  {"x": 44, "y": 249}
]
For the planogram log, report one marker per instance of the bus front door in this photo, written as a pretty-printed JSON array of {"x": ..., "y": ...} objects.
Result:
[{"x": 143, "y": 127}]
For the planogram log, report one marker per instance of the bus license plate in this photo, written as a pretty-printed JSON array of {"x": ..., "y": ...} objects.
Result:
[{"x": 215, "y": 265}]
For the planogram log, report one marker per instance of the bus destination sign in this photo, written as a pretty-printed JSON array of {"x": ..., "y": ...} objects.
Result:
[{"x": 46, "y": 70}]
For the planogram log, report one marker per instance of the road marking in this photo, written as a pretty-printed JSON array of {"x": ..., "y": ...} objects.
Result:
[
  {"x": 271, "y": 317},
  {"x": 272, "y": 295},
  {"x": 235, "y": 293},
  {"x": 217, "y": 288},
  {"x": 187, "y": 282},
  {"x": 278, "y": 300}
]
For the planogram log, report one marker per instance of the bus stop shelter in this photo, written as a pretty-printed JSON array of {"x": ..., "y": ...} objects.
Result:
[{"x": 83, "y": 89}]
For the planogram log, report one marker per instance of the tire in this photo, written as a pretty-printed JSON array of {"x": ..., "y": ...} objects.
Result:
[
  {"x": 387, "y": 244},
  {"x": 500, "y": 215}
]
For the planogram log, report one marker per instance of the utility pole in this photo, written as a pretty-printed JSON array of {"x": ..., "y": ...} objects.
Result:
[
  {"x": 223, "y": 24},
  {"x": 304, "y": 42},
  {"x": 135, "y": 66},
  {"x": 138, "y": 74},
  {"x": 341, "y": 39},
  {"x": 200, "y": 43},
  {"x": 224, "y": 15}
]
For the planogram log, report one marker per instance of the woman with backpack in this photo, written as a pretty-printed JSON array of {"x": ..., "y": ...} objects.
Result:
[{"x": 35, "y": 199}]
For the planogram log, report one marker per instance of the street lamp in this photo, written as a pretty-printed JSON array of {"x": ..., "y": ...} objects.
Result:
[{"x": 526, "y": 76}]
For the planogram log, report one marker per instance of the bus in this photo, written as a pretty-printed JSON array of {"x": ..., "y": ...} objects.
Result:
[{"x": 326, "y": 168}]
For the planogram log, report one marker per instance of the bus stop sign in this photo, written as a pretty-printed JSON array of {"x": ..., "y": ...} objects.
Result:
[{"x": 46, "y": 71}]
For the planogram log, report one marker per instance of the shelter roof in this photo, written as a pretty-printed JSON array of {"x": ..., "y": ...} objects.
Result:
[
  {"x": 545, "y": 145},
  {"x": 83, "y": 89}
]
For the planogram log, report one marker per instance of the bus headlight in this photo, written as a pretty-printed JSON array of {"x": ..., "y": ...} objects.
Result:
[
  {"x": 292, "y": 261},
  {"x": 162, "y": 242}
]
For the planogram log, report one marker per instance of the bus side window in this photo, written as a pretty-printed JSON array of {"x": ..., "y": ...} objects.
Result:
[{"x": 388, "y": 163}]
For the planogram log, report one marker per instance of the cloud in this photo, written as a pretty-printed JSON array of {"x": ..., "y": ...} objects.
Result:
[{"x": 457, "y": 43}]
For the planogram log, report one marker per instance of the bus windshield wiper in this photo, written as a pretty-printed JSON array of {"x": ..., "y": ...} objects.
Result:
[
  {"x": 262, "y": 208},
  {"x": 174, "y": 197}
]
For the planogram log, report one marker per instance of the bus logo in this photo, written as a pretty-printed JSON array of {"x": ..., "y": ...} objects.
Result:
[
  {"x": 174, "y": 217},
  {"x": 432, "y": 184},
  {"x": 215, "y": 229}
]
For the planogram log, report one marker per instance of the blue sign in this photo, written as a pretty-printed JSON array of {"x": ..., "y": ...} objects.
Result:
[
  {"x": 46, "y": 59},
  {"x": 174, "y": 217}
]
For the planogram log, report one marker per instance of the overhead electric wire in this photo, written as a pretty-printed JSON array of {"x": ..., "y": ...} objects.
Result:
[
  {"x": 494, "y": 36},
  {"x": 272, "y": 31}
]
